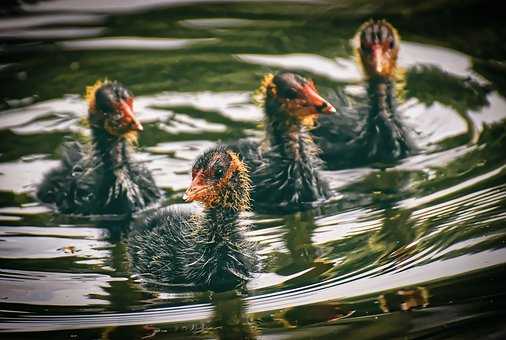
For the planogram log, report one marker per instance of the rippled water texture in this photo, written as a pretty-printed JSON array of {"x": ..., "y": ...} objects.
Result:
[{"x": 415, "y": 249}]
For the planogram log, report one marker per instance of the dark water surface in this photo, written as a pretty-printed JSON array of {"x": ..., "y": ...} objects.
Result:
[{"x": 414, "y": 249}]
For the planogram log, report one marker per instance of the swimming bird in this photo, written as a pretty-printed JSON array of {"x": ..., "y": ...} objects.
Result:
[
  {"x": 374, "y": 132},
  {"x": 102, "y": 177},
  {"x": 285, "y": 165},
  {"x": 207, "y": 249}
]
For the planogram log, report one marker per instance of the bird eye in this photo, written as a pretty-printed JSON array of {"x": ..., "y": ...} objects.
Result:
[
  {"x": 218, "y": 172},
  {"x": 290, "y": 94},
  {"x": 121, "y": 93}
]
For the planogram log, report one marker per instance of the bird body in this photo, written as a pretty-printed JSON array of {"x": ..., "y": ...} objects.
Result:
[
  {"x": 286, "y": 174},
  {"x": 369, "y": 133},
  {"x": 179, "y": 247}
]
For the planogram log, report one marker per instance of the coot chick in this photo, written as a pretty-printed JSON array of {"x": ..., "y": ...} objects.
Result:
[
  {"x": 208, "y": 249},
  {"x": 373, "y": 132},
  {"x": 285, "y": 165},
  {"x": 102, "y": 178}
]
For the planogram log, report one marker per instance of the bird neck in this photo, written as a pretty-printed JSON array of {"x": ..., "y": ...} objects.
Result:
[
  {"x": 294, "y": 165},
  {"x": 386, "y": 136},
  {"x": 113, "y": 151},
  {"x": 220, "y": 222},
  {"x": 291, "y": 138},
  {"x": 382, "y": 96}
]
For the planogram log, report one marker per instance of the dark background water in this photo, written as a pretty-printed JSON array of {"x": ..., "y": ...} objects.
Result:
[{"x": 411, "y": 250}]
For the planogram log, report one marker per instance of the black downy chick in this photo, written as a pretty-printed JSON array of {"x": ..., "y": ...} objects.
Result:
[
  {"x": 373, "y": 132},
  {"x": 102, "y": 178},
  {"x": 206, "y": 250},
  {"x": 285, "y": 165}
]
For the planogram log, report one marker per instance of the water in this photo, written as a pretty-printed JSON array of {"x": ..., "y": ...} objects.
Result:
[{"x": 412, "y": 250}]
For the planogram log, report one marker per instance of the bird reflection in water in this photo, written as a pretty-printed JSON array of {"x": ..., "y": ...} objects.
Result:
[
  {"x": 404, "y": 299},
  {"x": 302, "y": 253},
  {"x": 230, "y": 319}
]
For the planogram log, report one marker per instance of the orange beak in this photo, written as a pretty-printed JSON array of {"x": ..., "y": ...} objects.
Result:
[
  {"x": 313, "y": 98},
  {"x": 197, "y": 189},
  {"x": 129, "y": 117},
  {"x": 377, "y": 58}
]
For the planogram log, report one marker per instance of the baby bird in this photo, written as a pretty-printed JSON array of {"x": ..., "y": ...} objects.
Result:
[
  {"x": 206, "y": 250},
  {"x": 374, "y": 132},
  {"x": 102, "y": 178},
  {"x": 285, "y": 165}
]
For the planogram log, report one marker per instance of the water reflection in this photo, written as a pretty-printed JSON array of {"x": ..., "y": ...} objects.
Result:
[
  {"x": 472, "y": 96},
  {"x": 342, "y": 70},
  {"x": 404, "y": 299},
  {"x": 230, "y": 319},
  {"x": 51, "y": 33},
  {"x": 299, "y": 260},
  {"x": 53, "y": 289},
  {"x": 460, "y": 93},
  {"x": 404, "y": 250}
]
